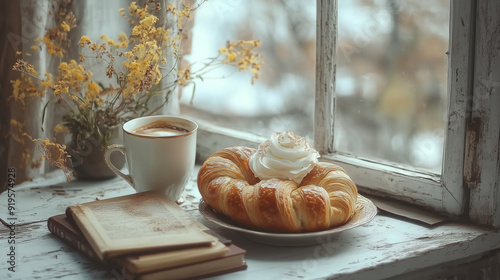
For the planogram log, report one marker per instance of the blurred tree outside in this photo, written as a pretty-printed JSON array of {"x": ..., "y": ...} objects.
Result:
[{"x": 391, "y": 80}]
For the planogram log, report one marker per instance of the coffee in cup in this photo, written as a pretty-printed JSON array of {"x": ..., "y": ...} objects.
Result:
[{"x": 160, "y": 153}]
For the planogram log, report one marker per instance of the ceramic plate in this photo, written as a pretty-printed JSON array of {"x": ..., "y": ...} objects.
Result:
[{"x": 365, "y": 212}]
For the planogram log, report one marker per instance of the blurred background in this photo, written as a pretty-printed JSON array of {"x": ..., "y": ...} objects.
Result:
[{"x": 391, "y": 74}]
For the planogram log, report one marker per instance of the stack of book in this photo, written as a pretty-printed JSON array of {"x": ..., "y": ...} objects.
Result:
[{"x": 146, "y": 236}]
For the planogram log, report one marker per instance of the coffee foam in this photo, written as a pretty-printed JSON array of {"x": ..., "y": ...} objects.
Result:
[{"x": 160, "y": 129}]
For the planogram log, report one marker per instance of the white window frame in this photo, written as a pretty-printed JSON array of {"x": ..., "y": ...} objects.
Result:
[{"x": 470, "y": 181}]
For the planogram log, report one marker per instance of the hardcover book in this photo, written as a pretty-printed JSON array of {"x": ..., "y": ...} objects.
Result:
[
  {"x": 173, "y": 261},
  {"x": 137, "y": 223},
  {"x": 60, "y": 226},
  {"x": 233, "y": 260}
]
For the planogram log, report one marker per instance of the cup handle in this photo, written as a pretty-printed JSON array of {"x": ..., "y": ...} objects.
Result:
[{"x": 107, "y": 158}]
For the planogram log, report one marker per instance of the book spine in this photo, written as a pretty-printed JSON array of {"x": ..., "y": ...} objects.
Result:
[{"x": 72, "y": 239}]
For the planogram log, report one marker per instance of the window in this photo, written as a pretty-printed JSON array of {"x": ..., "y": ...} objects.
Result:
[
  {"x": 468, "y": 183},
  {"x": 425, "y": 188}
]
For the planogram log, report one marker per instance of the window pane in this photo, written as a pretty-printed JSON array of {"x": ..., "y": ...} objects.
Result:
[
  {"x": 283, "y": 97},
  {"x": 391, "y": 80}
]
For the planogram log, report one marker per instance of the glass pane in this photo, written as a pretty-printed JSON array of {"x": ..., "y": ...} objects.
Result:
[
  {"x": 391, "y": 80},
  {"x": 283, "y": 97}
]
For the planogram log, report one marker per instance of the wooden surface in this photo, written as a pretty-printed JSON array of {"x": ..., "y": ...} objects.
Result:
[{"x": 383, "y": 248}]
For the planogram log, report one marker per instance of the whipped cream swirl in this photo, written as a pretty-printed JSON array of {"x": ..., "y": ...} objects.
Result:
[{"x": 285, "y": 156}]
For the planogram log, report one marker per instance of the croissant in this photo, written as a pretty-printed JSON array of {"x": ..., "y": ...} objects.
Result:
[{"x": 325, "y": 198}]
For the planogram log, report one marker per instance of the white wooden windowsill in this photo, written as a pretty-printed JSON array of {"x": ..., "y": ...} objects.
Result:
[{"x": 385, "y": 247}]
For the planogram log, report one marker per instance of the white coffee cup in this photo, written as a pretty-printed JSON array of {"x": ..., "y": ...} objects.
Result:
[{"x": 157, "y": 159}]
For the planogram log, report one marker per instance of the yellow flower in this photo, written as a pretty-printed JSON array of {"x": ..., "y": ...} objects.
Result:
[
  {"x": 65, "y": 26},
  {"x": 84, "y": 40},
  {"x": 60, "y": 128},
  {"x": 93, "y": 89},
  {"x": 25, "y": 87},
  {"x": 55, "y": 153},
  {"x": 63, "y": 66},
  {"x": 48, "y": 82},
  {"x": 123, "y": 39},
  {"x": 79, "y": 77},
  {"x": 17, "y": 131},
  {"x": 231, "y": 57},
  {"x": 17, "y": 93},
  {"x": 184, "y": 76},
  {"x": 133, "y": 6},
  {"x": 171, "y": 7},
  {"x": 240, "y": 53}
]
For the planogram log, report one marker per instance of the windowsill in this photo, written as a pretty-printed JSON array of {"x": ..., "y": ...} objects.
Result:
[{"x": 385, "y": 247}]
